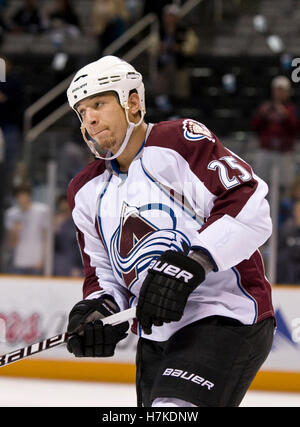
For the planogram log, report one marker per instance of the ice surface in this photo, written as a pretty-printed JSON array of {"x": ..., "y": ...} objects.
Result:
[{"x": 21, "y": 392}]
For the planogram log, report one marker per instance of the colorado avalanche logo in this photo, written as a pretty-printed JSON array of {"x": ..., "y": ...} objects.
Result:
[
  {"x": 195, "y": 131},
  {"x": 137, "y": 240}
]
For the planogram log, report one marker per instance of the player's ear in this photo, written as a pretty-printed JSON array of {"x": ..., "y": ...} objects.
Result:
[{"x": 134, "y": 103}]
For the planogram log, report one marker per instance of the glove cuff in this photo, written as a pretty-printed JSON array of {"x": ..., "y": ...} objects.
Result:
[{"x": 89, "y": 310}]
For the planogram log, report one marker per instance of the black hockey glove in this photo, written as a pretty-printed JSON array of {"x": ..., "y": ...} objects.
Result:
[
  {"x": 168, "y": 284},
  {"x": 90, "y": 338}
]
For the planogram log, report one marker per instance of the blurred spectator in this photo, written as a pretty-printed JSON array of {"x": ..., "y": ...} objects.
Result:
[
  {"x": 287, "y": 201},
  {"x": 108, "y": 22},
  {"x": 72, "y": 158},
  {"x": 11, "y": 116},
  {"x": 295, "y": 189},
  {"x": 21, "y": 174},
  {"x": 289, "y": 249},
  {"x": 3, "y": 25},
  {"x": 276, "y": 123},
  {"x": 134, "y": 10},
  {"x": 63, "y": 19},
  {"x": 67, "y": 259},
  {"x": 28, "y": 18},
  {"x": 175, "y": 48},
  {"x": 26, "y": 226}
]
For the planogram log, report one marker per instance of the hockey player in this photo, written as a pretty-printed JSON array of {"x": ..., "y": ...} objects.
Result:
[{"x": 168, "y": 220}]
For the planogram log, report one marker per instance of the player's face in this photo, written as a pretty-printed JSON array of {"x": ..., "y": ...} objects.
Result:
[{"x": 105, "y": 121}]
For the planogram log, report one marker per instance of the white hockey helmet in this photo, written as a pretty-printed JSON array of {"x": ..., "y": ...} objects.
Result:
[{"x": 108, "y": 73}]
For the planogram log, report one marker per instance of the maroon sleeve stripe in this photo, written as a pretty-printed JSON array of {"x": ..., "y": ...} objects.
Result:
[
  {"x": 96, "y": 168},
  {"x": 92, "y": 170},
  {"x": 231, "y": 203},
  {"x": 90, "y": 283},
  {"x": 254, "y": 282}
]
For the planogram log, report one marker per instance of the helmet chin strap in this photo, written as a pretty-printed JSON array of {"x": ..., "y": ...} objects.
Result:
[{"x": 91, "y": 143}]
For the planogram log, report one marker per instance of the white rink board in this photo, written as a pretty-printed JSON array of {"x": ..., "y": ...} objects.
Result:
[
  {"x": 35, "y": 308},
  {"x": 285, "y": 354}
]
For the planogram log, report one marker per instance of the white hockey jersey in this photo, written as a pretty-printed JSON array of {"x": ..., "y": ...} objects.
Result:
[{"x": 183, "y": 188}]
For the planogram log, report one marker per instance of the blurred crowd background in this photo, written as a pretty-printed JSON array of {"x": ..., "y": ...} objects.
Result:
[{"x": 231, "y": 64}]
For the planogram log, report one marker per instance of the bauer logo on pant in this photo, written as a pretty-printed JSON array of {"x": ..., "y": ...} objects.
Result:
[{"x": 189, "y": 377}]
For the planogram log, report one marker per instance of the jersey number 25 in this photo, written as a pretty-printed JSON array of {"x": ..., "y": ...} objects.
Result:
[{"x": 223, "y": 171}]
